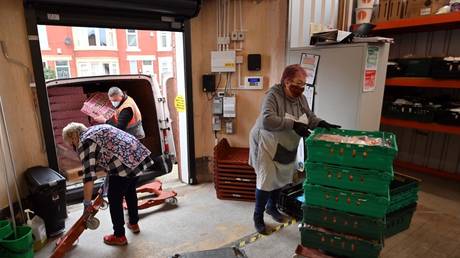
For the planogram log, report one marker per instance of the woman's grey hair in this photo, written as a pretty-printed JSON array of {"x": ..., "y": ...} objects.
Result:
[
  {"x": 72, "y": 131},
  {"x": 115, "y": 91}
]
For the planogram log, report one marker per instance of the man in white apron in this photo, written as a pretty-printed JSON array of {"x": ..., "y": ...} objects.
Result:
[{"x": 284, "y": 120}]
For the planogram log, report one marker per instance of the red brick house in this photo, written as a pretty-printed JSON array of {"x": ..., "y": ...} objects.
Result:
[{"x": 80, "y": 51}]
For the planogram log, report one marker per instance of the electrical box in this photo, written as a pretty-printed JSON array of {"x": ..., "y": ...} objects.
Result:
[
  {"x": 229, "y": 127},
  {"x": 217, "y": 106},
  {"x": 216, "y": 123},
  {"x": 234, "y": 36},
  {"x": 240, "y": 35},
  {"x": 223, "y": 61},
  {"x": 253, "y": 83},
  {"x": 209, "y": 83},
  {"x": 254, "y": 62},
  {"x": 230, "y": 106}
]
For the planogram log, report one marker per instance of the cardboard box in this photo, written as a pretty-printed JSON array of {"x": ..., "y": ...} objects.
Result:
[
  {"x": 418, "y": 8},
  {"x": 381, "y": 13},
  {"x": 397, "y": 9}
]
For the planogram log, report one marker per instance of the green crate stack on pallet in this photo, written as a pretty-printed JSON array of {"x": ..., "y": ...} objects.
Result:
[{"x": 349, "y": 195}]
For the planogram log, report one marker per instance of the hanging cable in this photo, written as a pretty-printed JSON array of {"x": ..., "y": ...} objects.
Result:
[
  {"x": 234, "y": 15},
  {"x": 31, "y": 81},
  {"x": 14, "y": 61},
  {"x": 228, "y": 24},
  {"x": 241, "y": 24},
  {"x": 217, "y": 28}
]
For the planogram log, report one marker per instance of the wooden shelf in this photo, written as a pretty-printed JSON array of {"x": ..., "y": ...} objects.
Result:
[
  {"x": 433, "y": 127},
  {"x": 422, "y": 82},
  {"x": 426, "y": 170},
  {"x": 440, "y": 21}
]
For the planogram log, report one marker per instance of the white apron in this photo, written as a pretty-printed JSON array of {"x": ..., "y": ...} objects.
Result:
[{"x": 276, "y": 157}]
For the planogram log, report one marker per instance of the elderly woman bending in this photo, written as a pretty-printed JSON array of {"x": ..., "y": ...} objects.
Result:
[{"x": 124, "y": 158}]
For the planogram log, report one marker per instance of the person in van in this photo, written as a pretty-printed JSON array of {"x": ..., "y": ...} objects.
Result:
[{"x": 127, "y": 116}]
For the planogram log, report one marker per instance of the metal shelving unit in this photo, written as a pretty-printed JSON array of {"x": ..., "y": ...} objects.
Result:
[{"x": 409, "y": 25}]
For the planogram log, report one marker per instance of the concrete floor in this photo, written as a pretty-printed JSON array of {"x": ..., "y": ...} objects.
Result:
[{"x": 201, "y": 222}]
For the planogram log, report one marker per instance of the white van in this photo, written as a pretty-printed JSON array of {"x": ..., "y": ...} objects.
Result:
[{"x": 66, "y": 98}]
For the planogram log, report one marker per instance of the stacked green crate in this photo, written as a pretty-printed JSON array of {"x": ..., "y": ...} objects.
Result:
[{"x": 347, "y": 192}]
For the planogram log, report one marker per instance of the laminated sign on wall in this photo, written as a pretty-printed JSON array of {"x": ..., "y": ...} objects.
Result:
[
  {"x": 309, "y": 62},
  {"x": 179, "y": 103},
  {"x": 370, "y": 73}
]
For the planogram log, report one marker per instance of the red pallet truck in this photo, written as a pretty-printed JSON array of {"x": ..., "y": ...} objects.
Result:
[
  {"x": 89, "y": 221},
  {"x": 158, "y": 195}
]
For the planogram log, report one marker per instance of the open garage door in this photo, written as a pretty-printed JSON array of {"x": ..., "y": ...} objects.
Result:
[
  {"x": 103, "y": 15},
  {"x": 158, "y": 14}
]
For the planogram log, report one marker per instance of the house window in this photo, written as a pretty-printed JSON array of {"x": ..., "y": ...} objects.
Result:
[
  {"x": 62, "y": 69},
  {"x": 94, "y": 38},
  {"x": 147, "y": 67},
  {"x": 165, "y": 67},
  {"x": 43, "y": 37},
  {"x": 164, "y": 41},
  {"x": 133, "y": 67},
  {"x": 94, "y": 68},
  {"x": 131, "y": 38}
]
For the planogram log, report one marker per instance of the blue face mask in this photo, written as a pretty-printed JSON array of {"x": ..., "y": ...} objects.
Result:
[{"x": 115, "y": 103}]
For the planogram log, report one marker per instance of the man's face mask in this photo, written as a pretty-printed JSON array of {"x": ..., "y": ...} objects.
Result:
[{"x": 115, "y": 103}]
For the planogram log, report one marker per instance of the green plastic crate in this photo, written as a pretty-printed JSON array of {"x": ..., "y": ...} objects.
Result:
[
  {"x": 338, "y": 244},
  {"x": 352, "y": 155},
  {"x": 343, "y": 222},
  {"x": 403, "y": 192},
  {"x": 343, "y": 200},
  {"x": 399, "y": 220},
  {"x": 349, "y": 178}
]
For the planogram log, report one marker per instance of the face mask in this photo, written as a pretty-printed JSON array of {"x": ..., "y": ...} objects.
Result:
[
  {"x": 115, "y": 103},
  {"x": 296, "y": 91}
]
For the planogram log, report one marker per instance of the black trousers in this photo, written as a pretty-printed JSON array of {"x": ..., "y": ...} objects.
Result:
[
  {"x": 120, "y": 187},
  {"x": 266, "y": 200}
]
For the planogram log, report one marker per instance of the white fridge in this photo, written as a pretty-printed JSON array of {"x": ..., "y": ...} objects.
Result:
[{"x": 349, "y": 84}]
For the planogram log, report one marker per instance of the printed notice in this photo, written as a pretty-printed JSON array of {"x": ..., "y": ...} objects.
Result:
[
  {"x": 179, "y": 103},
  {"x": 370, "y": 80},
  {"x": 309, "y": 62},
  {"x": 372, "y": 58},
  {"x": 370, "y": 73}
]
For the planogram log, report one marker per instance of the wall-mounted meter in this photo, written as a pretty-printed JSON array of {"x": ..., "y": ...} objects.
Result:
[
  {"x": 230, "y": 106},
  {"x": 217, "y": 106},
  {"x": 216, "y": 123},
  {"x": 253, "y": 83}
]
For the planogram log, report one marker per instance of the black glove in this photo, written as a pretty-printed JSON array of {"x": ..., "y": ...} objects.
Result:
[
  {"x": 301, "y": 129},
  {"x": 324, "y": 124}
]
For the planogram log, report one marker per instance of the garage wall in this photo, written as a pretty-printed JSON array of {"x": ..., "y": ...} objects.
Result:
[
  {"x": 266, "y": 25},
  {"x": 16, "y": 96}
]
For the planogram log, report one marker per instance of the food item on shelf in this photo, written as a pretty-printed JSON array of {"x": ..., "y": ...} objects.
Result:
[
  {"x": 457, "y": 110},
  {"x": 360, "y": 140}
]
